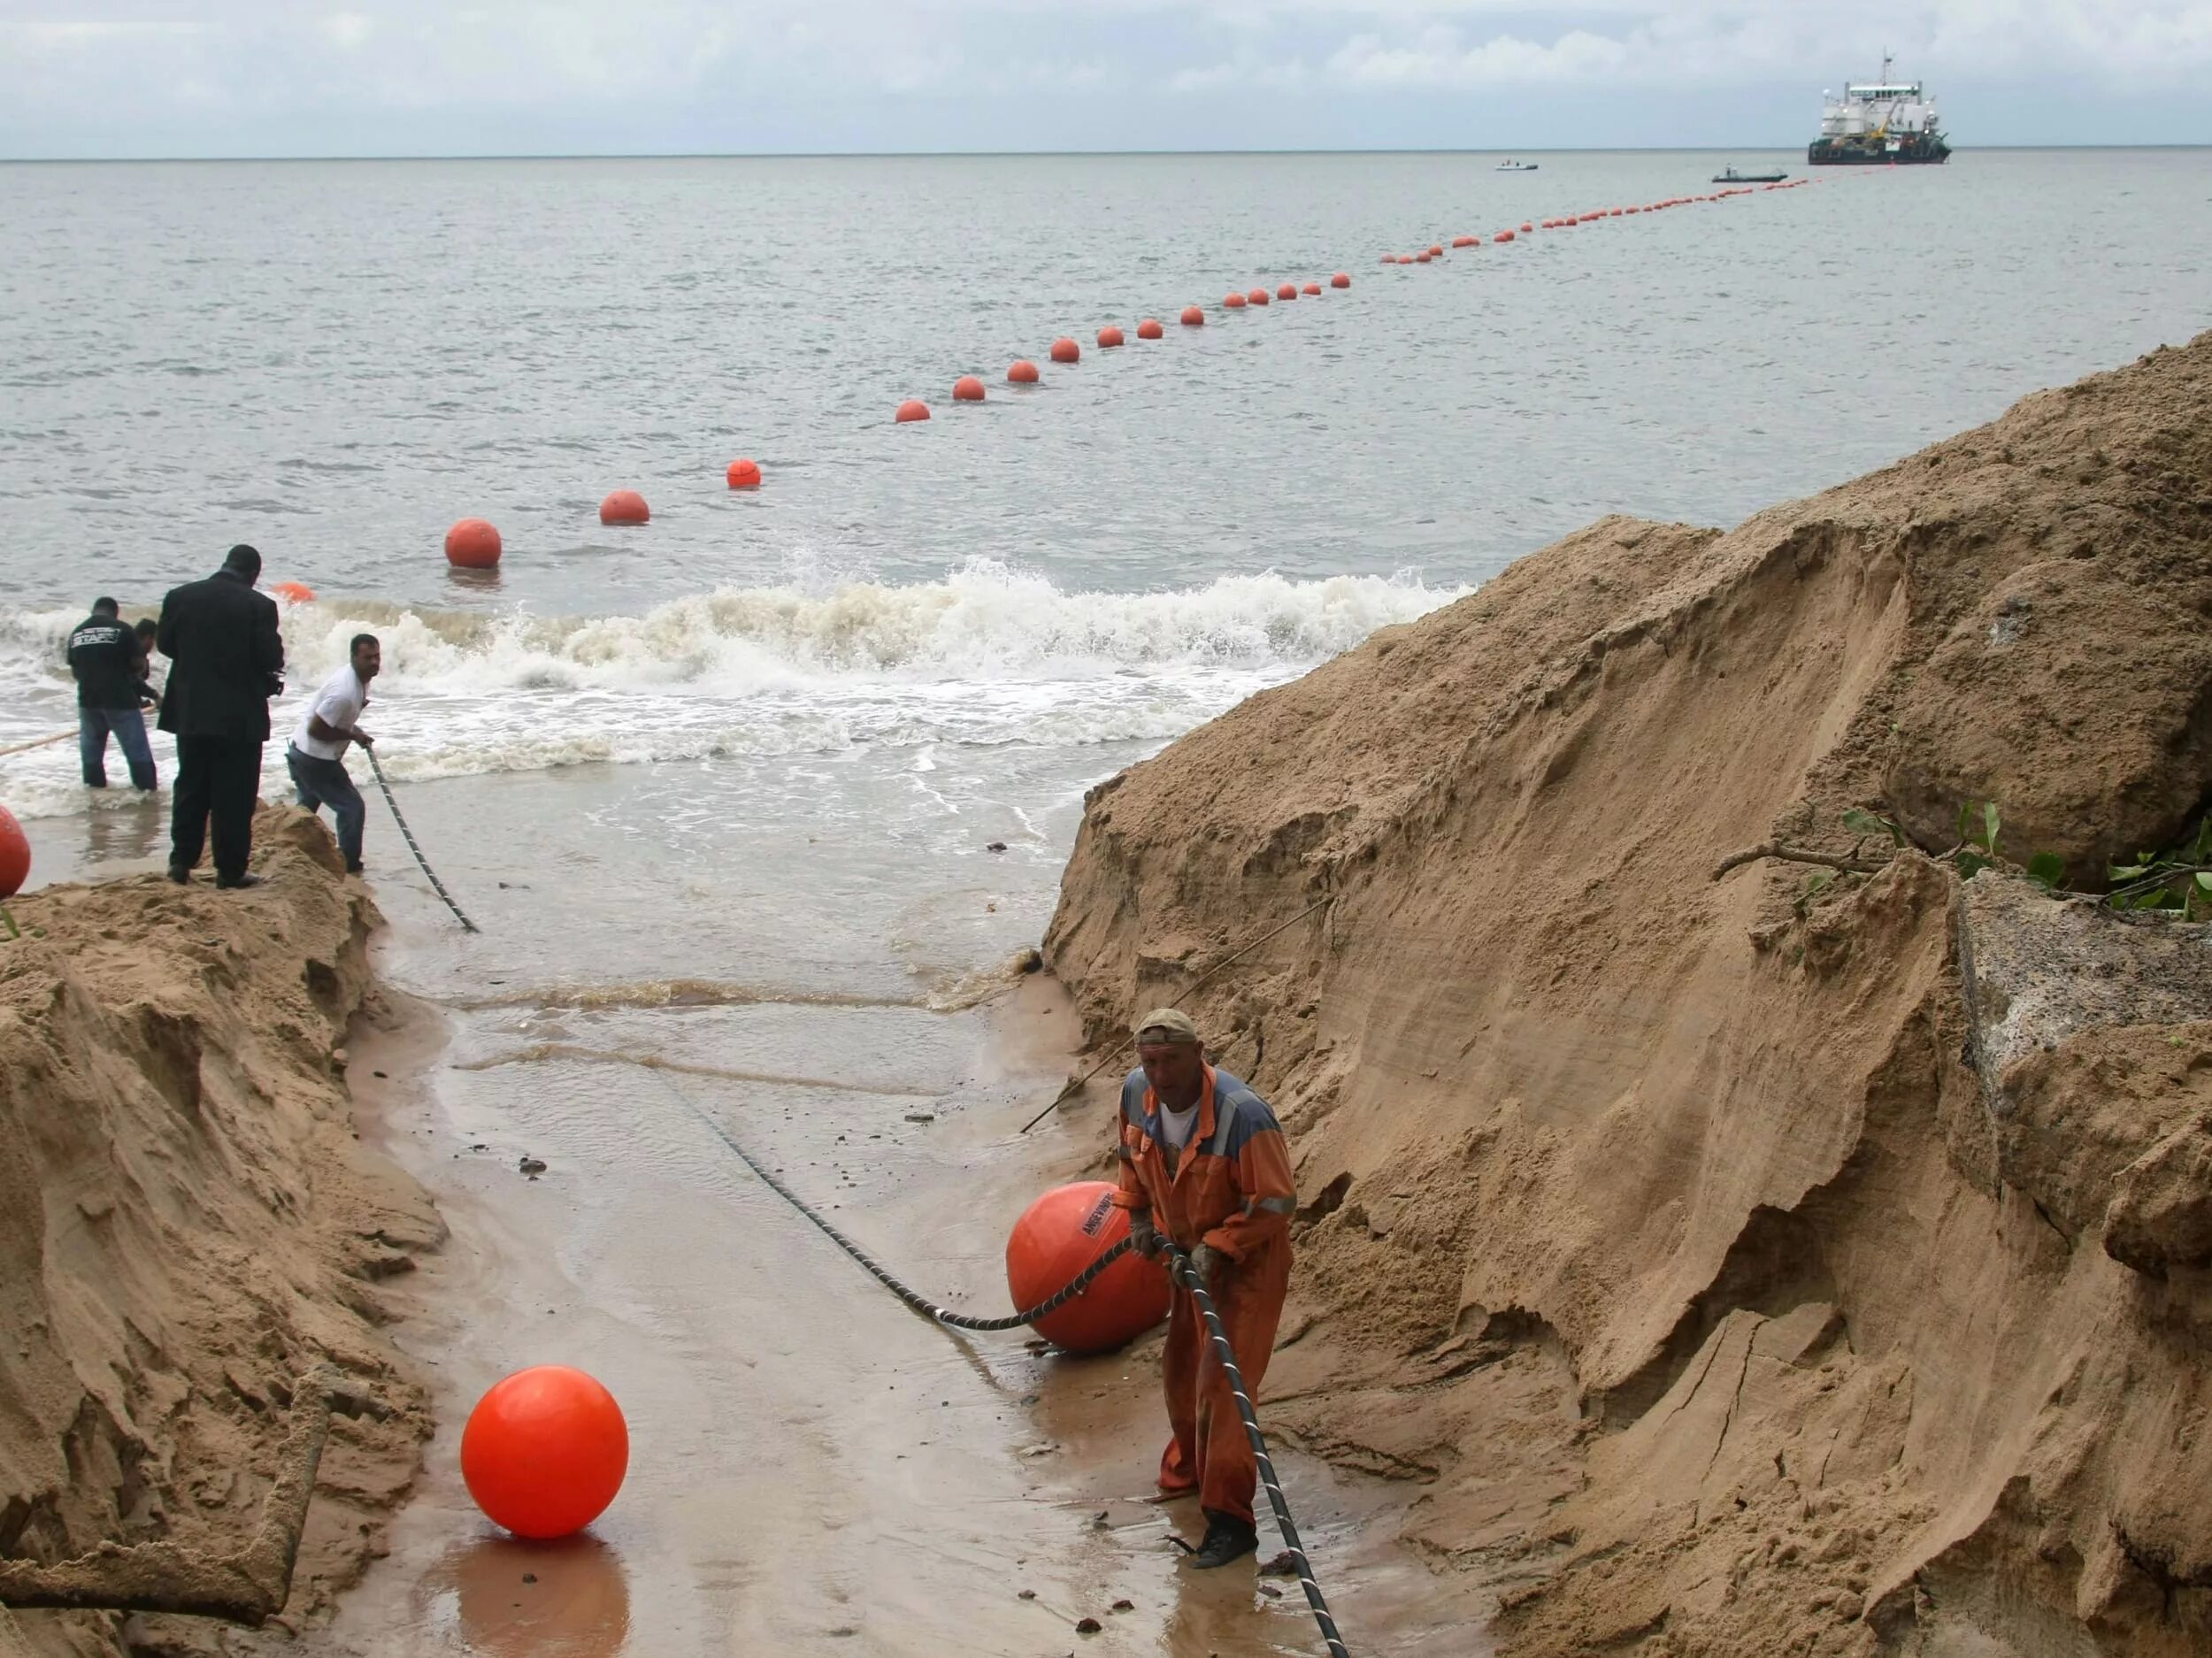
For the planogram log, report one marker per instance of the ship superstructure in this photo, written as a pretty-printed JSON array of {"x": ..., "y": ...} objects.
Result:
[{"x": 1879, "y": 123}]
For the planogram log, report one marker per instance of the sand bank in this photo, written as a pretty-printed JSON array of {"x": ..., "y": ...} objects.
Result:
[
  {"x": 188, "y": 1225},
  {"x": 1681, "y": 1238}
]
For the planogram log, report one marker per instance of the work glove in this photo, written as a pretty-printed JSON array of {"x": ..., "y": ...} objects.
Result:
[
  {"x": 1144, "y": 1237},
  {"x": 1207, "y": 1262}
]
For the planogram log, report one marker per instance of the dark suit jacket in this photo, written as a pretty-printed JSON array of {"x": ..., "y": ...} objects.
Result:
[{"x": 227, "y": 657}]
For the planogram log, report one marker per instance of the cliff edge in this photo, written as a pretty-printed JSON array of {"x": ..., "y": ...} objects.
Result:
[{"x": 1737, "y": 1272}]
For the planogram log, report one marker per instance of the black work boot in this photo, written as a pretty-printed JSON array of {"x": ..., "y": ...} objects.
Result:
[{"x": 1228, "y": 1538}]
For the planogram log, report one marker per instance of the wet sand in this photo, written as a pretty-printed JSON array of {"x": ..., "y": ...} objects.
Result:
[{"x": 814, "y": 1468}]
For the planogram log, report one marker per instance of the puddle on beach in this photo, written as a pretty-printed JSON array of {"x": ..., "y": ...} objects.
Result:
[{"x": 814, "y": 1469}]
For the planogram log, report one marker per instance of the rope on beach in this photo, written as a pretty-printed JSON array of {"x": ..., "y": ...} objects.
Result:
[
  {"x": 1178, "y": 1265},
  {"x": 36, "y": 742},
  {"x": 408, "y": 835}
]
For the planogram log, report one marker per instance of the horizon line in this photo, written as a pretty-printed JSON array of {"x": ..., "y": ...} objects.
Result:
[{"x": 943, "y": 155}]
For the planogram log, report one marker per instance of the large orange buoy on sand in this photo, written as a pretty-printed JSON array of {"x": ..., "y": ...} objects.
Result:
[
  {"x": 1066, "y": 350},
  {"x": 545, "y": 1451},
  {"x": 472, "y": 544},
  {"x": 1023, "y": 373},
  {"x": 1341, "y": 279},
  {"x": 1150, "y": 329},
  {"x": 1194, "y": 316},
  {"x": 743, "y": 474},
  {"x": 1060, "y": 1234},
  {"x": 293, "y": 591},
  {"x": 15, "y": 854},
  {"x": 967, "y": 388},
  {"x": 912, "y": 409},
  {"x": 1110, "y": 336},
  {"x": 624, "y": 506}
]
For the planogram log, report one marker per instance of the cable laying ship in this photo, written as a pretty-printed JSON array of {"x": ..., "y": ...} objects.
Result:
[{"x": 1881, "y": 123}]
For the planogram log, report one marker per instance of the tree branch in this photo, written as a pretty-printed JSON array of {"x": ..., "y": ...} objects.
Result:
[{"x": 1794, "y": 854}]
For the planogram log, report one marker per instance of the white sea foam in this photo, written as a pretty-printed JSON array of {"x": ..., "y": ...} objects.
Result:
[{"x": 987, "y": 656}]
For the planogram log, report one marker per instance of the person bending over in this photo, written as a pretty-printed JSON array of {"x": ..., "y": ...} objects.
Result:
[
  {"x": 1203, "y": 1165},
  {"x": 317, "y": 757},
  {"x": 104, "y": 655}
]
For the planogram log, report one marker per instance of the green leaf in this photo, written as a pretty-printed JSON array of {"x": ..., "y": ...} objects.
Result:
[
  {"x": 2123, "y": 875},
  {"x": 1861, "y": 822},
  {"x": 2204, "y": 881},
  {"x": 1970, "y": 864},
  {"x": 1990, "y": 825},
  {"x": 2046, "y": 869}
]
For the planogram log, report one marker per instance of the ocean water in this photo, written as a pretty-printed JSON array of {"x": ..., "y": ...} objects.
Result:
[{"x": 923, "y": 629}]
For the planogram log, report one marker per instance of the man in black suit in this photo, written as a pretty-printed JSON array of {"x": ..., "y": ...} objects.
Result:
[{"x": 227, "y": 661}]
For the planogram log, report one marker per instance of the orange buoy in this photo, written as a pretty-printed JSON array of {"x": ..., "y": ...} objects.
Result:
[
  {"x": 1341, "y": 279},
  {"x": 15, "y": 854},
  {"x": 472, "y": 544},
  {"x": 1288, "y": 290},
  {"x": 624, "y": 506},
  {"x": 544, "y": 1451},
  {"x": 1059, "y": 1235},
  {"x": 1310, "y": 290},
  {"x": 1463, "y": 242},
  {"x": 913, "y": 409},
  {"x": 1525, "y": 226},
  {"x": 967, "y": 388},
  {"x": 1423, "y": 258},
  {"x": 1023, "y": 373},
  {"x": 1234, "y": 302},
  {"x": 1150, "y": 329},
  {"x": 1436, "y": 250},
  {"x": 744, "y": 474},
  {"x": 1194, "y": 316},
  {"x": 1066, "y": 350},
  {"x": 1390, "y": 258},
  {"x": 1503, "y": 235},
  {"x": 1405, "y": 258},
  {"x": 293, "y": 591},
  {"x": 1257, "y": 297},
  {"x": 1109, "y": 335}
]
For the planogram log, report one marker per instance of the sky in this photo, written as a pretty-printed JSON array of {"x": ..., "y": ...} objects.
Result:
[{"x": 219, "y": 78}]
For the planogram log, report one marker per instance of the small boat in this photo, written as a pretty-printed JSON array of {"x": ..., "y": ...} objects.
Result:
[
  {"x": 1731, "y": 176},
  {"x": 1510, "y": 165}
]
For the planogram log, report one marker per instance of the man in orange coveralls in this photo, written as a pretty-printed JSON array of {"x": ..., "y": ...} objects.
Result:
[{"x": 1203, "y": 1164}]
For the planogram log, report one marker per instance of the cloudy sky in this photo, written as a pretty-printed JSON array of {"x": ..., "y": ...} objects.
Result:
[{"x": 475, "y": 77}]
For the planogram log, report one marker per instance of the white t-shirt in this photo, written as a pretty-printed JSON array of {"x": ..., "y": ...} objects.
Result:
[
  {"x": 340, "y": 703},
  {"x": 1176, "y": 1126}
]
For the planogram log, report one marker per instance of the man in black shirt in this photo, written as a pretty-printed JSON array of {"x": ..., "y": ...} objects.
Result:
[
  {"x": 227, "y": 660},
  {"x": 105, "y": 656}
]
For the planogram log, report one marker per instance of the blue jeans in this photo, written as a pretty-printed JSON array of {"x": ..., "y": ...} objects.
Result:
[
  {"x": 327, "y": 783},
  {"x": 127, "y": 725}
]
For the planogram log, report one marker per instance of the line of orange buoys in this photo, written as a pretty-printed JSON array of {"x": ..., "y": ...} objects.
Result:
[{"x": 474, "y": 544}]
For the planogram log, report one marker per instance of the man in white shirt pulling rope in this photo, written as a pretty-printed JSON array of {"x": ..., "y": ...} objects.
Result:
[{"x": 317, "y": 757}]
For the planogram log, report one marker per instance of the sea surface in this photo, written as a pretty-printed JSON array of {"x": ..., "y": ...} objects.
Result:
[{"x": 817, "y": 704}]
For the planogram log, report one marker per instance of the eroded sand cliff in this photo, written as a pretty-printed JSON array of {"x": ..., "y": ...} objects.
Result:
[
  {"x": 1663, "y": 1226},
  {"x": 188, "y": 1225}
]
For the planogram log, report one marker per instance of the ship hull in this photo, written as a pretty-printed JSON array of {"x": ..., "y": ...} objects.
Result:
[{"x": 1914, "y": 152}]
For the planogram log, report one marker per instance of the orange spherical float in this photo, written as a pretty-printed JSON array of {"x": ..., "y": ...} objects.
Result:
[
  {"x": 15, "y": 854},
  {"x": 472, "y": 544},
  {"x": 1234, "y": 302},
  {"x": 1288, "y": 290},
  {"x": 1422, "y": 258},
  {"x": 544, "y": 1451},
  {"x": 1110, "y": 336},
  {"x": 913, "y": 409},
  {"x": 1436, "y": 250},
  {"x": 1023, "y": 373},
  {"x": 1059, "y": 1235},
  {"x": 1066, "y": 350},
  {"x": 1310, "y": 290},
  {"x": 1150, "y": 329},
  {"x": 1463, "y": 242},
  {"x": 1257, "y": 297},
  {"x": 293, "y": 591},
  {"x": 967, "y": 388},
  {"x": 1503, "y": 235},
  {"x": 1341, "y": 279},
  {"x": 1194, "y": 316},
  {"x": 1527, "y": 227},
  {"x": 743, "y": 474},
  {"x": 624, "y": 506}
]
